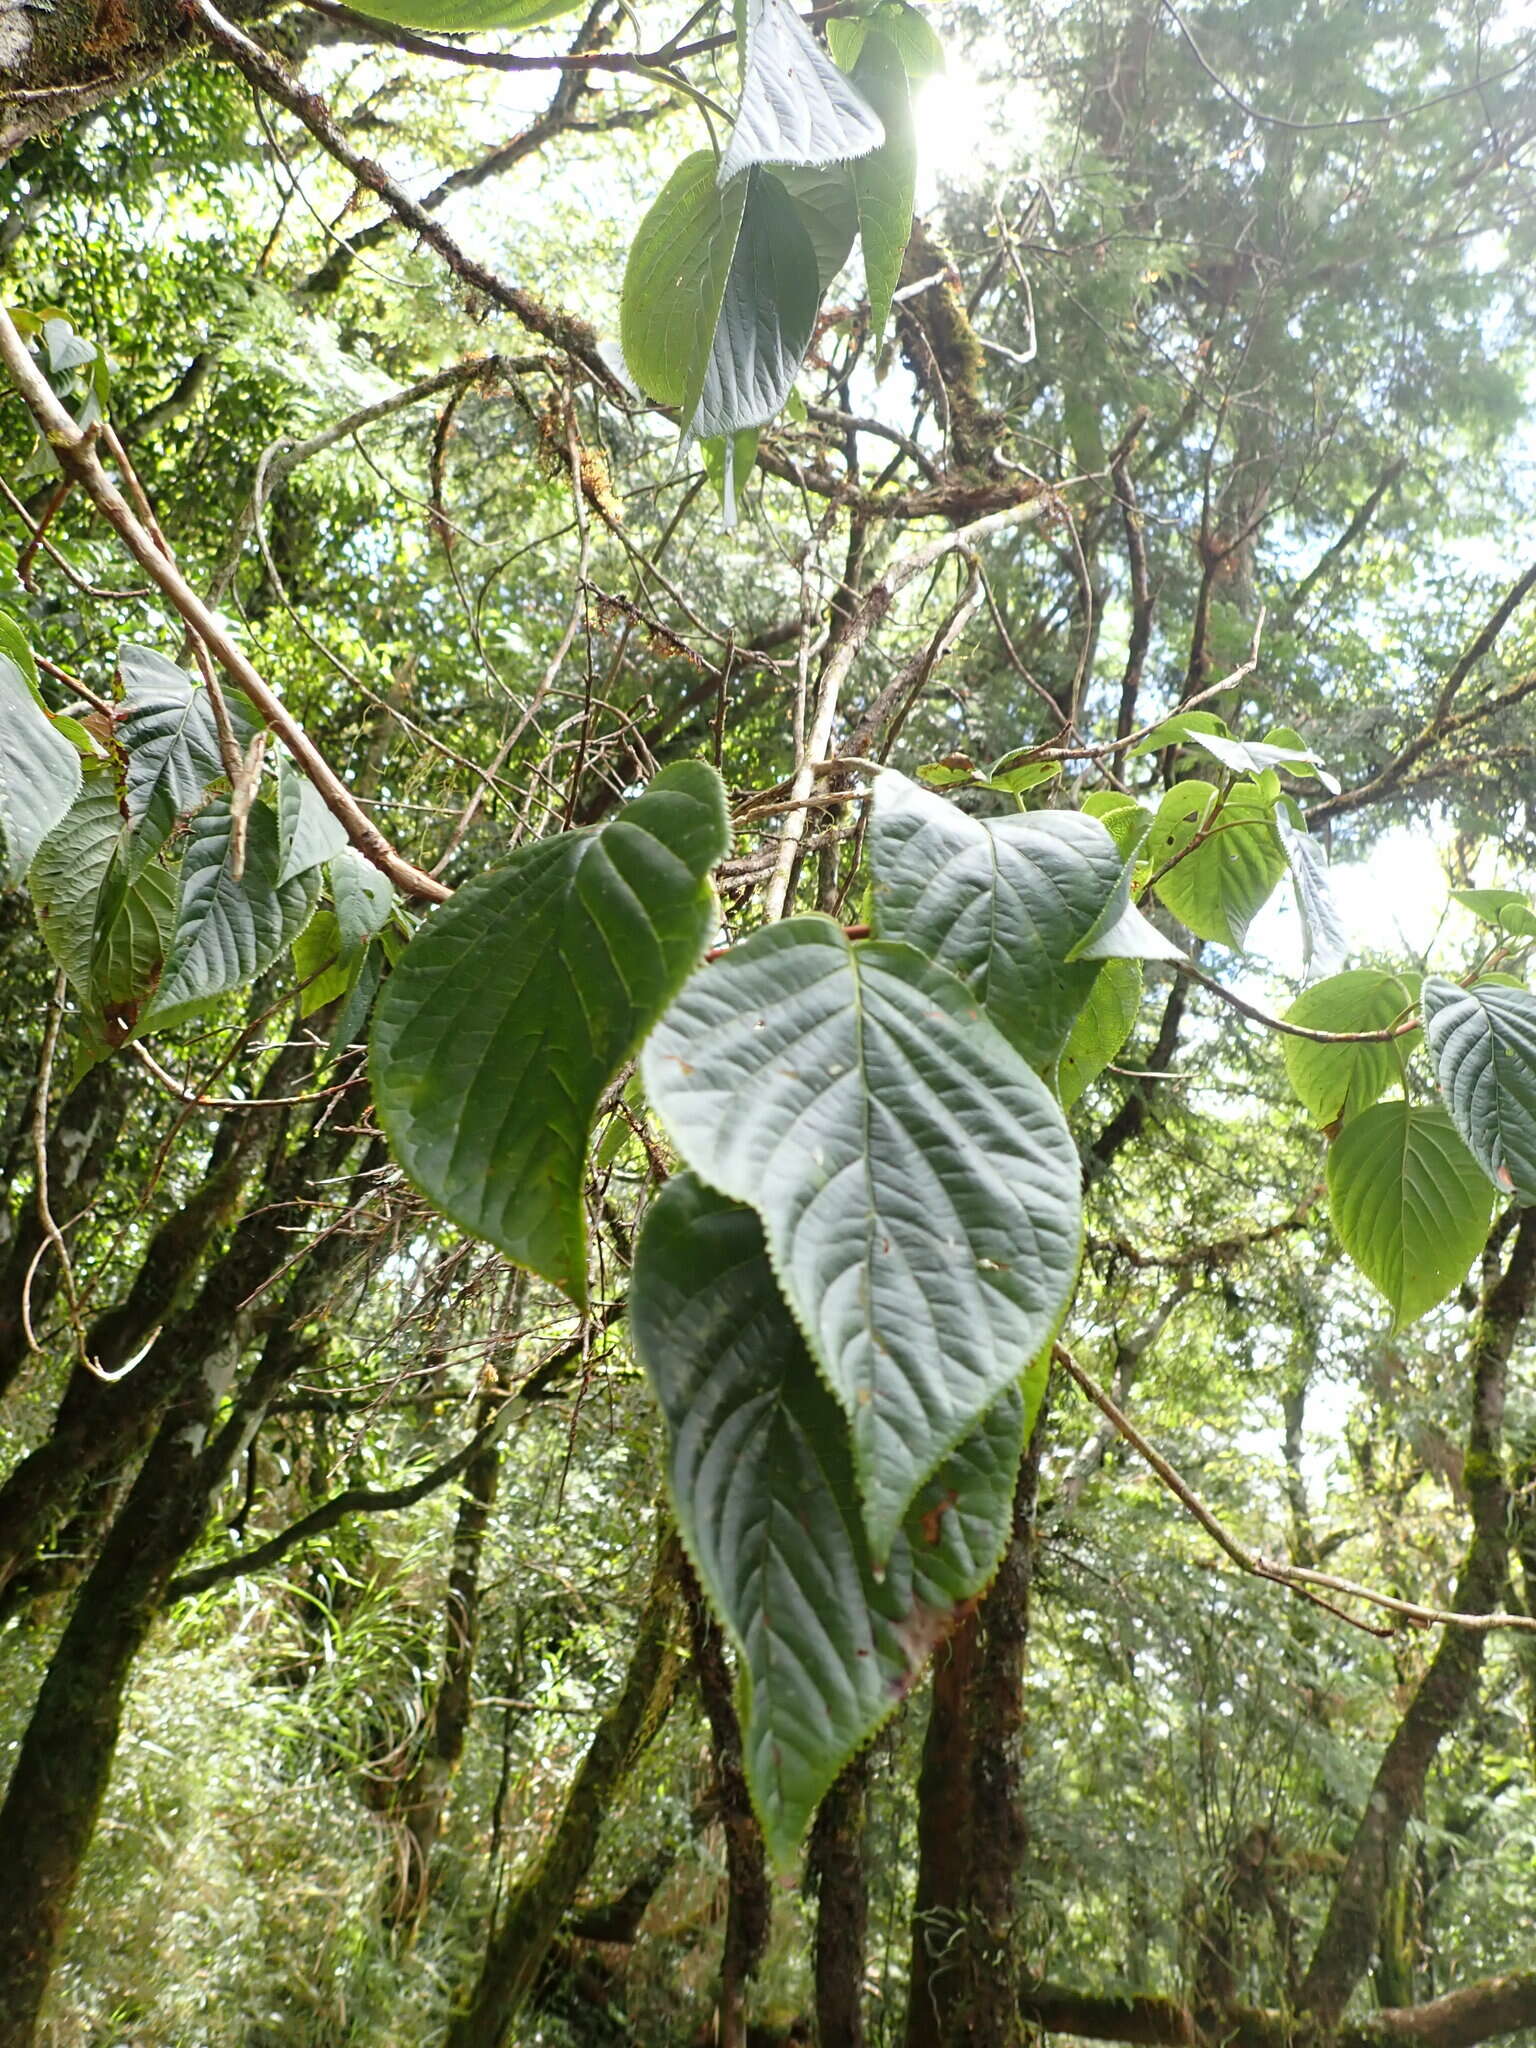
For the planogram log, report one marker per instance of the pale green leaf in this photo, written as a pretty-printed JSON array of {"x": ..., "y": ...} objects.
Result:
[
  {"x": 1338, "y": 1081},
  {"x": 1220, "y": 886},
  {"x": 1103, "y": 1025},
  {"x": 766, "y": 317},
  {"x": 1408, "y": 1202},
  {"x": 309, "y": 832},
  {"x": 674, "y": 280},
  {"x": 165, "y": 725},
  {"x": 469, "y": 17},
  {"x": 796, "y": 106},
  {"x": 886, "y": 182},
  {"x": 39, "y": 773}
]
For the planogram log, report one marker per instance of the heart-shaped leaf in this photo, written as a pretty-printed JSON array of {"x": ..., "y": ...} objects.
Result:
[
  {"x": 796, "y": 106},
  {"x": 1483, "y": 1043},
  {"x": 1002, "y": 902},
  {"x": 761, "y": 1475},
  {"x": 1338, "y": 1081},
  {"x": 917, "y": 1181},
  {"x": 1408, "y": 1203},
  {"x": 518, "y": 1001},
  {"x": 1225, "y": 862}
]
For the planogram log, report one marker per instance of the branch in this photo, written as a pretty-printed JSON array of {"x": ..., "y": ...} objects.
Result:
[
  {"x": 75, "y": 450},
  {"x": 1297, "y": 1577}
]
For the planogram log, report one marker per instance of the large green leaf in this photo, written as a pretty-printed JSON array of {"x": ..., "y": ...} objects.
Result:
[
  {"x": 1103, "y": 1025},
  {"x": 364, "y": 899},
  {"x": 469, "y": 17},
  {"x": 767, "y": 314},
  {"x": 165, "y": 726},
  {"x": 917, "y": 1181},
  {"x": 1220, "y": 887},
  {"x": 886, "y": 183},
  {"x": 39, "y": 773},
  {"x": 112, "y": 942},
  {"x": 518, "y": 1001},
  {"x": 674, "y": 280},
  {"x": 1002, "y": 902},
  {"x": 829, "y": 211},
  {"x": 1408, "y": 1202},
  {"x": 1338, "y": 1081},
  {"x": 761, "y": 1475},
  {"x": 908, "y": 29},
  {"x": 796, "y": 106},
  {"x": 1483, "y": 1043},
  {"x": 229, "y": 928}
]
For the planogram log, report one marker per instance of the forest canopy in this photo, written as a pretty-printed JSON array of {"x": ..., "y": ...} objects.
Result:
[{"x": 768, "y": 888}]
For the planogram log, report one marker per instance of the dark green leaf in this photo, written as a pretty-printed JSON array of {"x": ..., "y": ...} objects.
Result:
[
  {"x": 906, "y": 27},
  {"x": 469, "y": 17},
  {"x": 828, "y": 207},
  {"x": 165, "y": 725},
  {"x": 39, "y": 773},
  {"x": 886, "y": 183},
  {"x": 517, "y": 1002},
  {"x": 674, "y": 280},
  {"x": 918, "y": 1184},
  {"x": 309, "y": 833},
  {"x": 363, "y": 897},
  {"x": 1483, "y": 1043},
  {"x": 113, "y": 960},
  {"x": 761, "y": 1476}
]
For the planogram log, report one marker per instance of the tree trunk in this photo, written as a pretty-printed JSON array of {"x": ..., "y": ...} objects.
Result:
[
  {"x": 842, "y": 1908},
  {"x": 1348, "y": 1942},
  {"x": 519, "y": 1946}
]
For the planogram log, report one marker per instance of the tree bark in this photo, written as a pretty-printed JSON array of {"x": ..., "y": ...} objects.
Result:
[
  {"x": 842, "y": 1908},
  {"x": 1347, "y": 1945}
]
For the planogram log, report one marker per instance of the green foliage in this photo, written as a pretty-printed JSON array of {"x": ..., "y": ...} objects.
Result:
[
  {"x": 1483, "y": 1043},
  {"x": 1215, "y": 857},
  {"x": 39, "y": 770},
  {"x": 1338, "y": 1081},
  {"x": 518, "y": 1002},
  {"x": 1408, "y": 1203}
]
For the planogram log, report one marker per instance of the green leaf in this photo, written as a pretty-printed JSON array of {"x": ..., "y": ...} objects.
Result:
[
  {"x": 39, "y": 772},
  {"x": 674, "y": 280},
  {"x": 1186, "y": 726},
  {"x": 1126, "y": 821},
  {"x": 113, "y": 960},
  {"x": 1408, "y": 1203},
  {"x": 1483, "y": 1043},
  {"x": 761, "y": 1475},
  {"x": 470, "y": 17},
  {"x": 918, "y": 1184},
  {"x": 309, "y": 833},
  {"x": 796, "y": 106},
  {"x": 728, "y": 480},
  {"x": 229, "y": 930},
  {"x": 828, "y": 206},
  {"x": 1324, "y": 941},
  {"x": 1218, "y": 889},
  {"x": 363, "y": 897},
  {"x": 1002, "y": 902},
  {"x": 1506, "y": 909},
  {"x": 1014, "y": 781},
  {"x": 885, "y": 183},
  {"x": 518, "y": 1001},
  {"x": 767, "y": 315},
  {"x": 165, "y": 725},
  {"x": 322, "y": 963},
  {"x": 910, "y": 31},
  {"x": 1103, "y": 1025},
  {"x": 1334, "y": 1082}
]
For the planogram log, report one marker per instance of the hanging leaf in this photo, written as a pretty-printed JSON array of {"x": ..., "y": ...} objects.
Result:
[
  {"x": 113, "y": 961},
  {"x": 1483, "y": 1043},
  {"x": 165, "y": 726},
  {"x": 309, "y": 833},
  {"x": 1338, "y": 1081},
  {"x": 363, "y": 897},
  {"x": 227, "y": 929},
  {"x": 518, "y": 1001},
  {"x": 918, "y": 1184},
  {"x": 1102, "y": 1026},
  {"x": 674, "y": 280},
  {"x": 906, "y": 28},
  {"x": 796, "y": 106},
  {"x": 886, "y": 182},
  {"x": 828, "y": 206},
  {"x": 1220, "y": 887},
  {"x": 1408, "y": 1203},
  {"x": 1324, "y": 941},
  {"x": 1002, "y": 902},
  {"x": 761, "y": 1476},
  {"x": 767, "y": 315},
  {"x": 39, "y": 772}
]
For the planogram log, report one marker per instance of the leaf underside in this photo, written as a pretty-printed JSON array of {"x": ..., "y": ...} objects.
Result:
[
  {"x": 796, "y": 106},
  {"x": 1483, "y": 1043}
]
